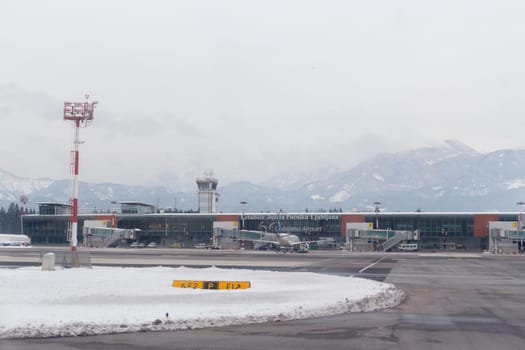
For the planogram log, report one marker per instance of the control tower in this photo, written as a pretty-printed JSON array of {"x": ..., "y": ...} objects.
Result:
[{"x": 208, "y": 195}]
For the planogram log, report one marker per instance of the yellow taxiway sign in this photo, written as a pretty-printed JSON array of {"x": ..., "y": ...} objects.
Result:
[{"x": 211, "y": 284}]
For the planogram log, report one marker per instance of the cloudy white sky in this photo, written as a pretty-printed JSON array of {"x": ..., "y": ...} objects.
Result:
[{"x": 254, "y": 89}]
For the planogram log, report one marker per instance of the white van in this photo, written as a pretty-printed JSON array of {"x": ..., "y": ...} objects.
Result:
[{"x": 408, "y": 247}]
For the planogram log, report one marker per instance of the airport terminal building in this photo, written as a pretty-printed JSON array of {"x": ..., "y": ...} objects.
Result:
[{"x": 437, "y": 231}]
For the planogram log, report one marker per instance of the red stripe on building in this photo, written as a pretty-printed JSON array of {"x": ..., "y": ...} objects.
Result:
[
  {"x": 228, "y": 218},
  {"x": 481, "y": 224},
  {"x": 346, "y": 218}
]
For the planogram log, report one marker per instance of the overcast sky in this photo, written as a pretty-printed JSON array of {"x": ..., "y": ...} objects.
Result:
[{"x": 254, "y": 89}]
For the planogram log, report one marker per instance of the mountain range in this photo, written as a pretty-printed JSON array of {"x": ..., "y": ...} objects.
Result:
[{"x": 448, "y": 177}]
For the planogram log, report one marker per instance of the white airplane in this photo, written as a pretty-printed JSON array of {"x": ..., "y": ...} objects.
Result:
[
  {"x": 284, "y": 242},
  {"x": 289, "y": 242}
]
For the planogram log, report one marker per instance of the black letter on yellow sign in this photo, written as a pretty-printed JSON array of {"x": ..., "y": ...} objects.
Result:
[{"x": 211, "y": 285}]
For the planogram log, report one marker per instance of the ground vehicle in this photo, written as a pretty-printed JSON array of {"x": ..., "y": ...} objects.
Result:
[
  {"x": 200, "y": 246},
  {"x": 408, "y": 247},
  {"x": 152, "y": 245},
  {"x": 137, "y": 245}
]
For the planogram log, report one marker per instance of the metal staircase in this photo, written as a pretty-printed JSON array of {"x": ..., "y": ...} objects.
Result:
[
  {"x": 106, "y": 236},
  {"x": 399, "y": 237},
  {"x": 104, "y": 241}
]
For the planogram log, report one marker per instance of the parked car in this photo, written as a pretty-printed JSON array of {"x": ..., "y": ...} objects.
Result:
[
  {"x": 134, "y": 245},
  {"x": 200, "y": 246},
  {"x": 152, "y": 245}
]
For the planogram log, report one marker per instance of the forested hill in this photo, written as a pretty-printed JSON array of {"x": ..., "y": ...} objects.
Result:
[{"x": 10, "y": 218}]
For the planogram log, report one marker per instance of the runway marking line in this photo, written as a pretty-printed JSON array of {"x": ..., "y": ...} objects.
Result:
[{"x": 369, "y": 266}]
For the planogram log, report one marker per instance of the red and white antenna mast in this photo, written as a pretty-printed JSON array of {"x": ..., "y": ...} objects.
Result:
[{"x": 81, "y": 113}]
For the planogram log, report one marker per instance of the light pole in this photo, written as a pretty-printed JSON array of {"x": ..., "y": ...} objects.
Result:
[
  {"x": 81, "y": 114},
  {"x": 377, "y": 210},
  {"x": 243, "y": 204},
  {"x": 520, "y": 215}
]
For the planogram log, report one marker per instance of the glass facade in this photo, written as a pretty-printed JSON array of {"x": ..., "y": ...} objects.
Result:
[
  {"x": 307, "y": 227},
  {"x": 48, "y": 229},
  {"x": 447, "y": 231},
  {"x": 136, "y": 208},
  {"x": 438, "y": 231},
  {"x": 53, "y": 209},
  {"x": 206, "y": 202},
  {"x": 186, "y": 230}
]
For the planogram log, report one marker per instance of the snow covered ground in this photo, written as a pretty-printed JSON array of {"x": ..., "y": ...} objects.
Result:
[{"x": 71, "y": 302}]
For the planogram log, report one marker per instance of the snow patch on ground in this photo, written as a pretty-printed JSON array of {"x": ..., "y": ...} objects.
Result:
[{"x": 103, "y": 300}]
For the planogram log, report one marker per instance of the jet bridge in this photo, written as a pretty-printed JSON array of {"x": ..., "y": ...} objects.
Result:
[
  {"x": 506, "y": 237},
  {"x": 224, "y": 238},
  {"x": 106, "y": 236},
  {"x": 380, "y": 240}
]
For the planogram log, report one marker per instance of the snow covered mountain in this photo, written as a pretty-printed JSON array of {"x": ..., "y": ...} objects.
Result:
[
  {"x": 452, "y": 177},
  {"x": 12, "y": 187},
  {"x": 447, "y": 177},
  {"x": 91, "y": 195}
]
